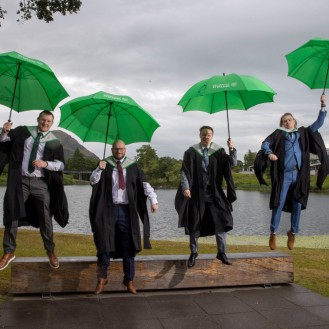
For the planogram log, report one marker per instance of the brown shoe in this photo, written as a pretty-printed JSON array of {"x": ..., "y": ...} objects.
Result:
[
  {"x": 130, "y": 287},
  {"x": 53, "y": 260},
  {"x": 272, "y": 241},
  {"x": 101, "y": 283},
  {"x": 291, "y": 240},
  {"x": 6, "y": 259}
]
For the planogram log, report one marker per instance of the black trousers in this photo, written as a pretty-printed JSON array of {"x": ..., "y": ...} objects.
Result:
[
  {"x": 124, "y": 242},
  {"x": 215, "y": 214}
]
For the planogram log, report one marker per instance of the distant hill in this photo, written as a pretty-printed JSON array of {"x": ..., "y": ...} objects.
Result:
[{"x": 70, "y": 145}]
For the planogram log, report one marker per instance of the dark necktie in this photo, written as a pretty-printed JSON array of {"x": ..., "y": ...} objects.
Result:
[
  {"x": 205, "y": 157},
  {"x": 34, "y": 152},
  {"x": 122, "y": 184}
]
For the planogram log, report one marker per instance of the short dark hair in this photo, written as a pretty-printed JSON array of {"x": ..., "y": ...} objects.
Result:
[
  {"x": 45, "y": 112},
  {"x": 206, "y": 127}
]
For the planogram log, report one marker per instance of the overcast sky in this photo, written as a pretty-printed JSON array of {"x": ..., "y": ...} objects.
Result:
[{"x": 153, "y": 51}]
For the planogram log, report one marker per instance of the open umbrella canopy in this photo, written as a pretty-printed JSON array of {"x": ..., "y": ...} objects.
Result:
[
  {"x": 28, "y": 84},
  {"x": 227, "y": 92},
  {"x": 103, "y": 117},
  {"x": 310, "y": 63}
]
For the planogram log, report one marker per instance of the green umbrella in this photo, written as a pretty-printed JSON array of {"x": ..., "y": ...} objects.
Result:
[
  {"x": 103, "y": 117},
  {"x": 227, "y": 92},
  {"x": 28, "y": 84},
  {"x": 310, "y": 64}
]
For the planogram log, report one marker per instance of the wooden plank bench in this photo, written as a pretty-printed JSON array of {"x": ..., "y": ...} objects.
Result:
[{"x": 78, "y": 274}]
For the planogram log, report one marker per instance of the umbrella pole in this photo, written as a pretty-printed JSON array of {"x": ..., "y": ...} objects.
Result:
[
  {"x": 12, "y": 100},
  {"x": 107, "y": 129},
  {"x": 104, "y": 151},
  {"x": 325, "y": 82},
  {"x": 228, "y": 121}
]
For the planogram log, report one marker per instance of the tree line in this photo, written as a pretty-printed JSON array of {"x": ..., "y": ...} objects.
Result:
[{"x": 160, "y": 171}]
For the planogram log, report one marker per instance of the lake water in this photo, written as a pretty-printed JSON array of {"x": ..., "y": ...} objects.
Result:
[{"x": 251, "y": 214}]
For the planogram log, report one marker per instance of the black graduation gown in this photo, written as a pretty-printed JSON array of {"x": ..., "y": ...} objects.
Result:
[
  {"x": 101, "y": 211},
  {"x": 191, "y": 211},
  {"x": 15, "y": 211},
  {"x": 311, "y": 142}
]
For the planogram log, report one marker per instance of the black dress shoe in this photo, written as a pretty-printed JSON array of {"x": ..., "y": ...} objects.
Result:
[
  {"x": 191, "y": 260},
  {"x": 223, "y": 258}
]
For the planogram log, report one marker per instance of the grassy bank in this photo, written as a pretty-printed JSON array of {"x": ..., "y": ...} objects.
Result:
[
  {"x": 246, "y": 182},
  {"x": 249, "y": 182},
  {"x": 311, "y": 265}
]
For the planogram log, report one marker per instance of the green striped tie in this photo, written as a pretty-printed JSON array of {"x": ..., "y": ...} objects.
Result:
[
  {"x": 34, "y": 152},
  {"x": 205, "y": 157}
]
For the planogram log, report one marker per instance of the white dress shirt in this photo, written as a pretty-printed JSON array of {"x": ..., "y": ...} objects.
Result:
[
  {"x": 121, "y": 196},
  {"x": 38, "y": 172}
]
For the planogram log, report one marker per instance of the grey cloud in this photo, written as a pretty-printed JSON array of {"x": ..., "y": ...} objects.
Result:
[{"x": 154, "y": 51}]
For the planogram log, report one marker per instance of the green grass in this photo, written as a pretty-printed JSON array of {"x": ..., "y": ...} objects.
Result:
[
  {"x": 246, "y": 182},
  {"x": 311, "y": 265},
  {"x": 249, "y": 182}
]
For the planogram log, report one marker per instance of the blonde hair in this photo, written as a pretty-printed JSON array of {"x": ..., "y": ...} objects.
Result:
[{"x": 285, "y": 115}]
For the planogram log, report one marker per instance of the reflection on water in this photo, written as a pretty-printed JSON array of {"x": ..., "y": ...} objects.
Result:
[{"x": 251, "y": 214}]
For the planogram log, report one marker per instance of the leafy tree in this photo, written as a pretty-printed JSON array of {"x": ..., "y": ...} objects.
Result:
[
  {"x": 148, "y": 160},
  {"x": 249, "y": 159},
  {"x": 43, "y": 9},
  {"x": 2, "y": 14},
  {"x": 77, "y": 162},
  {"x": 169, "y": 170},
  {"x": 238, "y": 167},
  {"x": 90, "y": 163}
]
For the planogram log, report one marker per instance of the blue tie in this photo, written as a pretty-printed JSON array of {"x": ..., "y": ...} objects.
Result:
[{"x": 205, "y": 157}]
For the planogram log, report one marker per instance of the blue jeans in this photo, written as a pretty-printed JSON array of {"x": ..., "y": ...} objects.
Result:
[{"x": 288, "y": 179}]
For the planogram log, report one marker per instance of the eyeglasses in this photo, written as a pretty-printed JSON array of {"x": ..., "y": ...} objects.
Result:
[{"x": 116, "y": 149}]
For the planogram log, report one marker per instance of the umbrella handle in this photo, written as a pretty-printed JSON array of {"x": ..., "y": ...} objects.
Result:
[
  {"x": 230, "y": 148},
  {"x": 6, "y": 130},
  {"x": 228, "y": 125},
  {"x": 323, "y": 103}
]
